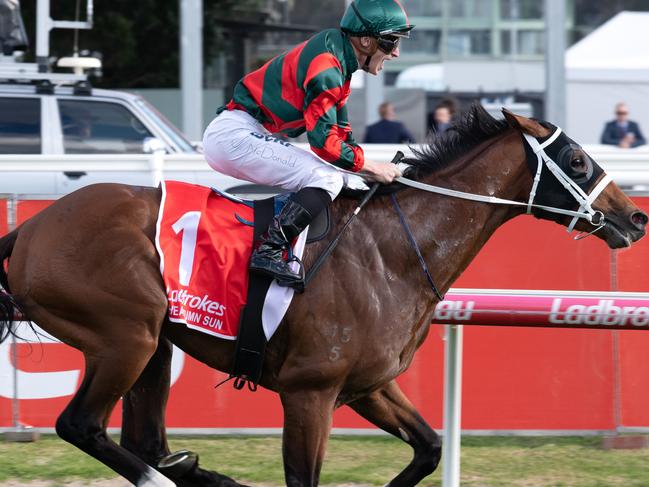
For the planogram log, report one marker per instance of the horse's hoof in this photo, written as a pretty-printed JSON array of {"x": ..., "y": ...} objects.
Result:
[{"x": 178, "y": 464}]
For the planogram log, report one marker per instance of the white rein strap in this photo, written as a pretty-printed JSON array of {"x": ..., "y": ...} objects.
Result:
[{"x": 585, "y": 210}]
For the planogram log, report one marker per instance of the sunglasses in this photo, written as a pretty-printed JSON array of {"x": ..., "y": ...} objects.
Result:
[
  {"x": 621, "y": 113},
  {"x": 388, "y": 43}
]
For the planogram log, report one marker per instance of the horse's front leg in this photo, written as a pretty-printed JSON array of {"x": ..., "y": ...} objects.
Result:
[
  {"x": 307, "y": 422},
  {"x": 389, "y": 409}
]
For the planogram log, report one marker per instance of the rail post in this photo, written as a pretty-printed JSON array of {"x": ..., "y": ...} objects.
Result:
[
  {"x": 452, "y": 406},
  {"x": 156, "y": 149}
]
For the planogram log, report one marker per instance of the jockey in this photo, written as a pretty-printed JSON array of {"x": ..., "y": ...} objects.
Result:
[{"x": 305, "y": 89}]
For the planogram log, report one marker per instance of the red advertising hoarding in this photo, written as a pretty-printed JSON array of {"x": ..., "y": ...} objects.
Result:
[{"x": 514, "y": 378}]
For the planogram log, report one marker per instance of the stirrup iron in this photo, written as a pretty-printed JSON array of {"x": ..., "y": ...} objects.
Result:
[{"x": 298, "y": 285}]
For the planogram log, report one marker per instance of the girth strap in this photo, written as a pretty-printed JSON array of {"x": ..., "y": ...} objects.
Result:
[{"x": 251, "y": 340}]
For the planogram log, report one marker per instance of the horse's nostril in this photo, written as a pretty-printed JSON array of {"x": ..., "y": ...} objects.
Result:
[{"x": 639, "y": 219}]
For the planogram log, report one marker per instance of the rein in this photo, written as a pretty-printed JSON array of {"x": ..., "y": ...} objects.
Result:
[
  {"x": 585, "y": 210},
  {"x": 332, "y": 245},
  {"x": 413, "y": 242}
]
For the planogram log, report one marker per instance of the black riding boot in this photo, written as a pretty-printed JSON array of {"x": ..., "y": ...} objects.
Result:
[{"x": 268, "y": 256}]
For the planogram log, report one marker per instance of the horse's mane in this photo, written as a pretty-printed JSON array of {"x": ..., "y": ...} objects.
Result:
[
  {"x": 474, "y": 127},
  {"x": 471, "y": 129}
]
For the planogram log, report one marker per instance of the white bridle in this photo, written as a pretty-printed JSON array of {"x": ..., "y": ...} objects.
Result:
[{"x": 585, "y": 201}]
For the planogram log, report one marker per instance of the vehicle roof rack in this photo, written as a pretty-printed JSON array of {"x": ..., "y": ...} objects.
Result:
[{"x": 28, "y": 73}]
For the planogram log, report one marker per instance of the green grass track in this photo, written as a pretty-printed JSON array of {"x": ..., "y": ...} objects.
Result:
[{"x": 486, "y": 462}]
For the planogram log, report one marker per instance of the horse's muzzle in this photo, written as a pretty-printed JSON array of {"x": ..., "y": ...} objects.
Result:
[{"x": 622, "y": 232}]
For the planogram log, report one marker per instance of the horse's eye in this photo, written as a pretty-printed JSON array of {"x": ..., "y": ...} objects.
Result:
[{"x": 578, "y": 163}]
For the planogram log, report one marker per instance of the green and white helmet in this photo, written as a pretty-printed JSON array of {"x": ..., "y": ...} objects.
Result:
[{"x": 376, "y": 18}]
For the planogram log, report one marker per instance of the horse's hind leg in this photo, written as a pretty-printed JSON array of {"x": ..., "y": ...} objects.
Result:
[
  {"x": 389, "y": 409},
  {"x": 143, "y": 408},
  {"x": 143, "y": 422},
  {"x": 109, "y": 374}
]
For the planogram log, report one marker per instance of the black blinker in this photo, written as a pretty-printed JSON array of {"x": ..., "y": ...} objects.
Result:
[
  {"x": 552, "y": 193},
  {"x": 575, "y": 163}
]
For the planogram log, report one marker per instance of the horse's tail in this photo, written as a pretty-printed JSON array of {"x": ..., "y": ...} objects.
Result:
[{"x": 8, "y": 307}]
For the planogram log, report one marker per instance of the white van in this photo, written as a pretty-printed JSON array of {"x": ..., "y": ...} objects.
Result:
[{"x": 51, "y": 117}]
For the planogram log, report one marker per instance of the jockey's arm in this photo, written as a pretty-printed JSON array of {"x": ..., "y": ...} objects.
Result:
[
  {"x": 328, "y": 139},
  {"x": 329, "y": 132}
]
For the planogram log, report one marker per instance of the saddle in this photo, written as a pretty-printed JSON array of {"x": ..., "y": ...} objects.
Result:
[
  {"x": 318, "y": 229},
  {"x": 205, "y": 238}
]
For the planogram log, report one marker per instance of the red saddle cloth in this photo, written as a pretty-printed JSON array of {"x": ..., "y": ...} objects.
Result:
[{"x": 204, "y": 252}]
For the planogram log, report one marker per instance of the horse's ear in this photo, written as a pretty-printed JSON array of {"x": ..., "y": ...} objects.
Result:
[{"x": 524, "y": 124}]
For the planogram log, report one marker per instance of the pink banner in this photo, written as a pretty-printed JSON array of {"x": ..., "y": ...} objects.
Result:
[{"x": 561, "y": 310}]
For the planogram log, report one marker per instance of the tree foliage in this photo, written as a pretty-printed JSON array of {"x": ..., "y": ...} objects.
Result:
[
  {"x": 324, "y": 14},
  {"x": 137, "y": 40}
]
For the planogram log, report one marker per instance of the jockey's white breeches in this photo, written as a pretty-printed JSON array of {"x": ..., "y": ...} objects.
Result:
[{"x": 238, "y": 145}]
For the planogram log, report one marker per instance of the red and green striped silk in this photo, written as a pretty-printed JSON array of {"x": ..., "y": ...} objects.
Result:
[{"x": 306, "y": 89}]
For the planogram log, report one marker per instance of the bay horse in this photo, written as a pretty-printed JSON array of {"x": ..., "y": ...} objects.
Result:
[{"x": 86, "y": 270}]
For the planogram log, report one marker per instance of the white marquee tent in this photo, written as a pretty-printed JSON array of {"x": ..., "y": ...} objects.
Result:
[{"x": 608, "y": 66}]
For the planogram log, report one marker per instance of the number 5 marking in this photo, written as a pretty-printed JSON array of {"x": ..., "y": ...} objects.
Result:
[{"x": 188, "y": 224}]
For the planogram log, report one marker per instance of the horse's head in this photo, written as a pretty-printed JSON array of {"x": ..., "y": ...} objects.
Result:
[{"x": 581, "y": 195}]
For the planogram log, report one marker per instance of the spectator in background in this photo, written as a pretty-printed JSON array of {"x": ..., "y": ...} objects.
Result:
[
  {"x": 451, "y": 103},
  {"x": 442, "y": 116},
  {"x": 622, "y": 131},
  {"x": 388, "y": 130},
  {"x": 441, "y": 119}
]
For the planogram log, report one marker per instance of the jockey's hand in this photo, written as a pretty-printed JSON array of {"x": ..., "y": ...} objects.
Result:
[{"x": 382, "y": 172}]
